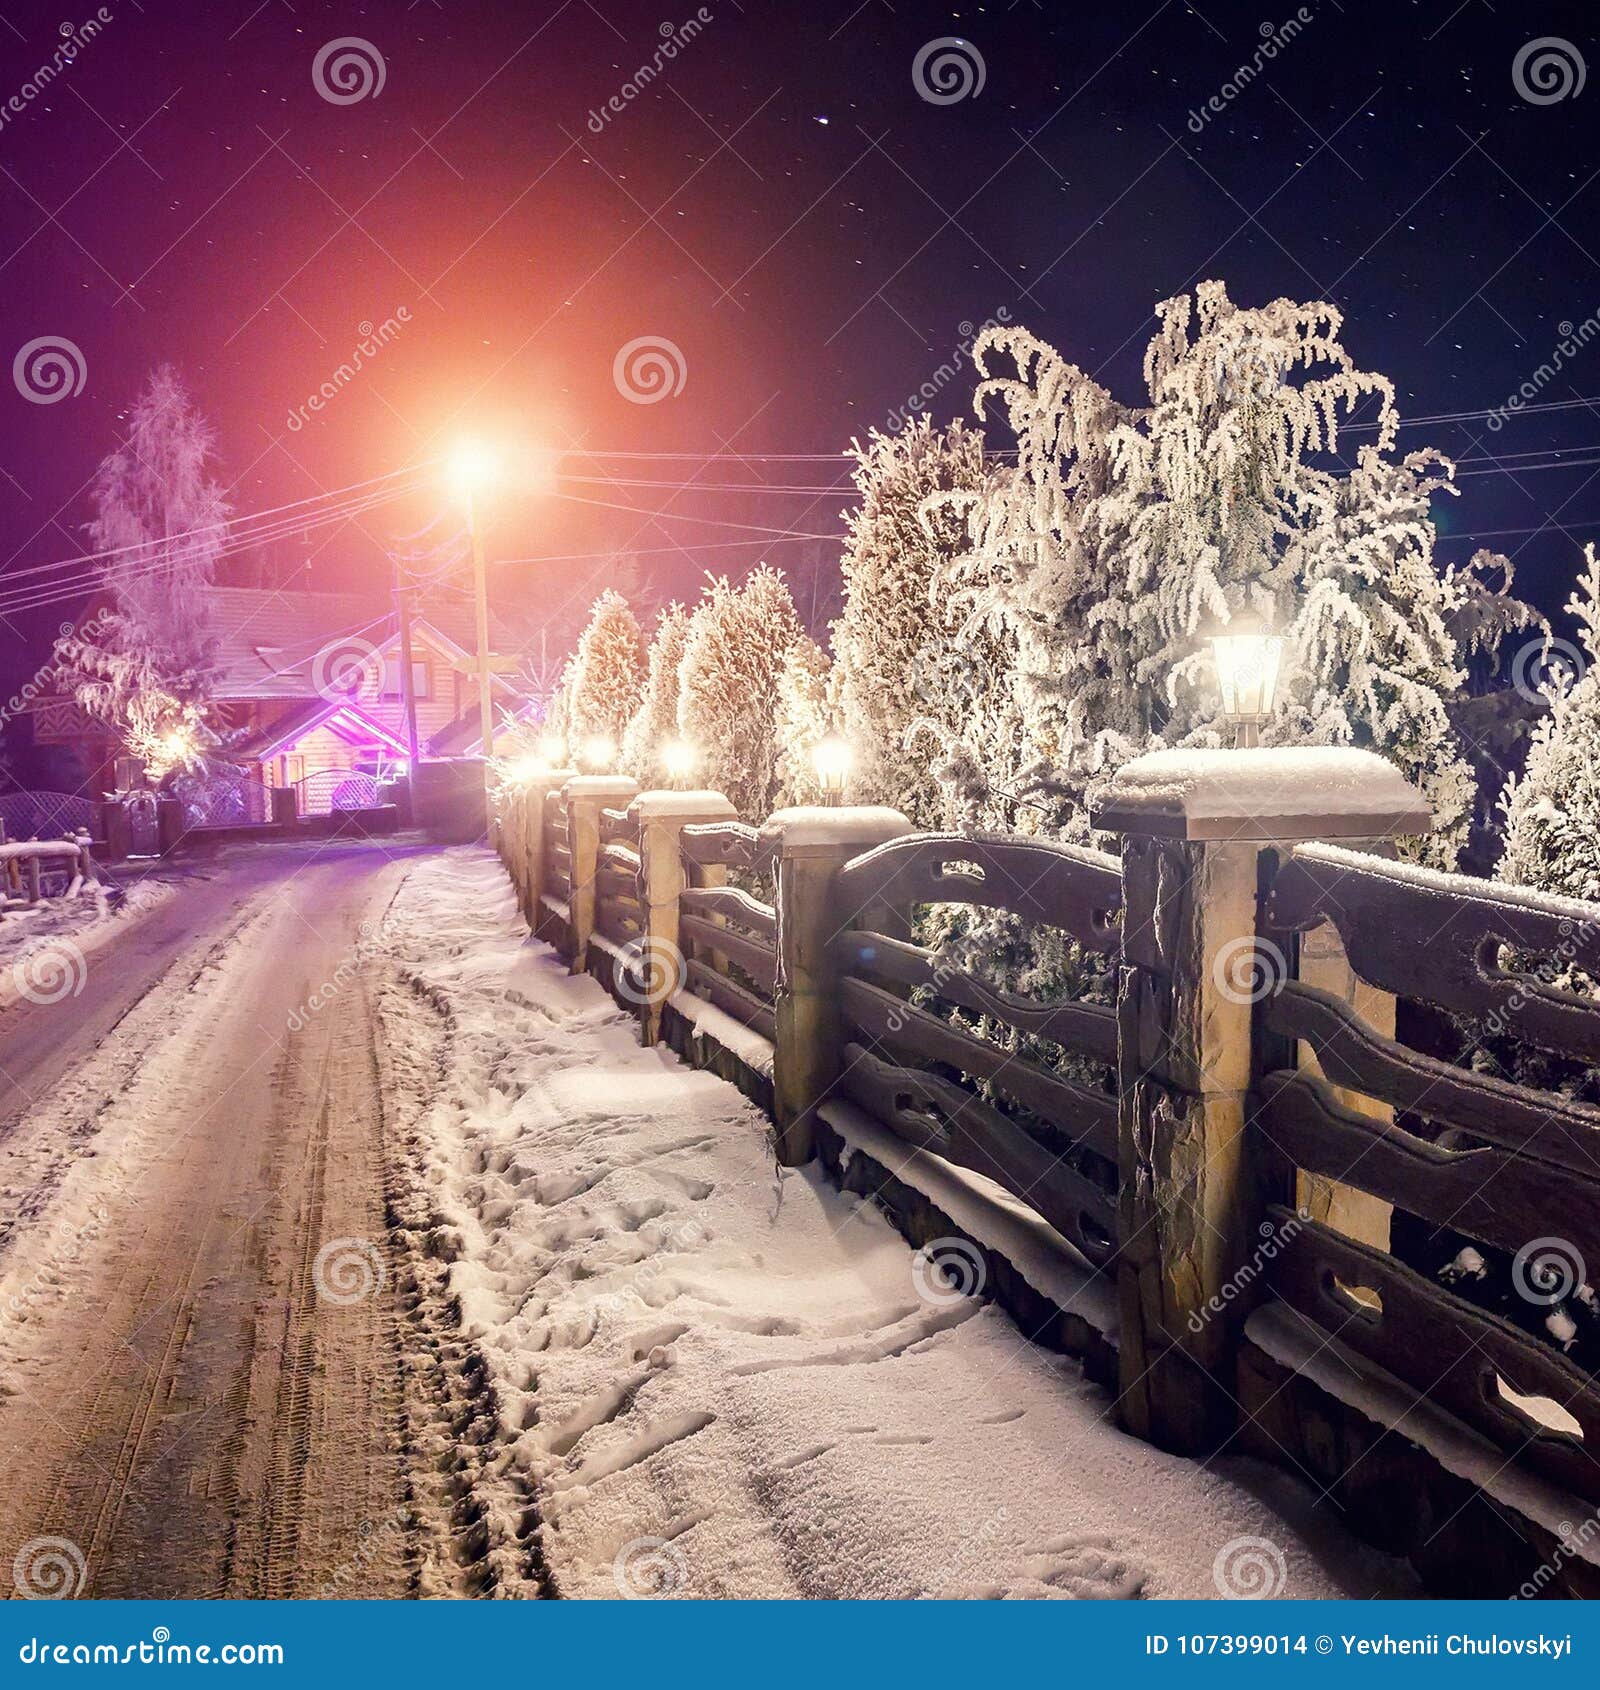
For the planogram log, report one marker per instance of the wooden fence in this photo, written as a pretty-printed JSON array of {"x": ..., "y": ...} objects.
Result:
[{"x": 1290, "y": 1203}]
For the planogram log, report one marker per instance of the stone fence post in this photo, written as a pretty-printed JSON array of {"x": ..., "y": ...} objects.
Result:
[
  {"x": 812, "y": 846},
  {"x": 524, "y": 842},
  {"x": 661, "y": 816},
  {"x": 1195, "y": 827},
  {"x": 587, "y": 796}
]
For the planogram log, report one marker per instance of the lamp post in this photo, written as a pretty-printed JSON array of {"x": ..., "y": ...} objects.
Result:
[
  {"x": 831, "y": 758},
  {"x": 1248, "y": 656},
  {"x": 473, "y": 468}
]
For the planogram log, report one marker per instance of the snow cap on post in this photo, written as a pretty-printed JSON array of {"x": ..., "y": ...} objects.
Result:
[
  {"x": 600, "y": 786},
  {"x": 666, "y": 803},
  {"x": 807, "y": 828},
  {"x": 1262, "y": 795}
]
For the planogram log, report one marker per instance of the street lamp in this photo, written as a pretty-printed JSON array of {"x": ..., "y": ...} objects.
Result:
[
  {"x": 679, "y": 758},
  {"x": 599, "y": 752},
  {"x": 552, "y": 751},
  {"x": 472, "y": 469},
  {"x": 831, "y": 758},
  {"x": 1248, "y": 656}
]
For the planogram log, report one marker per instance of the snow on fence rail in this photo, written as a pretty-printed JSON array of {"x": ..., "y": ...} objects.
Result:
[
  {"x": 1241, "y": 1143},
  {"x": 33, "y": 869}
]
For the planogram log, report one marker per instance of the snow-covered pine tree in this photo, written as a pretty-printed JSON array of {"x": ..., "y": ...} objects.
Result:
[
  {"x": 900, "y": 659},
  {"x": 738, "y": 639},
  {"x": 608, "y": 670},
  {"x": 1122, "y": 533},
  {"x": 655, "y": 722},
  {"x": 808, "y": 711},
  {"x": 1552, "y": 812},
  {"x": 146, "y": 666}
]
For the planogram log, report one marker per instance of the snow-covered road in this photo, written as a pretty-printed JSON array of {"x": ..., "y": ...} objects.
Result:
[
  {"x": 201, "y": 1380},
  {"x": 705, "y": 1378}
]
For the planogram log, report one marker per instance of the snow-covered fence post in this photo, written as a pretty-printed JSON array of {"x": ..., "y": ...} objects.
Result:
[
  {"x": 586, "y": 797},
  {"x": 808, "y": 1055},
  {"x": 1195, "y": 827},
  {"x": 661, "y": 817}
]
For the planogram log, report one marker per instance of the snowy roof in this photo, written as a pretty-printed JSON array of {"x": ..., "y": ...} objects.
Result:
[{"x": 1310, "y": 792}]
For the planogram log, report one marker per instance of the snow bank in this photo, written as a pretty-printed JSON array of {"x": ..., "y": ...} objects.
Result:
[
  {"x": 78, "y": 925},
  {"x": 714, "y": 1378}
]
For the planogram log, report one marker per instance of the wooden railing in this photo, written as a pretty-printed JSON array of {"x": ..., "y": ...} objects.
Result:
[
  {"x": 1250, "y": 1163},
  {"x": 1504, "y": 1169}
]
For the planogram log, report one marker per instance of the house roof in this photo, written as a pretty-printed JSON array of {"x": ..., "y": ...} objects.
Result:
[{"x": 269, "y": 639}]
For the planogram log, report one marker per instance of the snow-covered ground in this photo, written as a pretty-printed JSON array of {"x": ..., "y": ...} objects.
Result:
[
  {"x": 708, "y": 1378},
  {"x": 42, "y": 946}
]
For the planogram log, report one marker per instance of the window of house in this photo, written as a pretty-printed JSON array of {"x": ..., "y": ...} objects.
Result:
[{"x": 421, "y": 679}]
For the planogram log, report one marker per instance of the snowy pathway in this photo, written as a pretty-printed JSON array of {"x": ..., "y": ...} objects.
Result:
[{"x": 712, "y": 1381}]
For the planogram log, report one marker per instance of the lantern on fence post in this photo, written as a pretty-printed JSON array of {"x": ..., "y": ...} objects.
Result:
[
  {"x": 599, "y": 753},
  {"x": 831, "y": 759},
  {"x": 679, "y": 758},
  {"x": 1248, "y": 656}
]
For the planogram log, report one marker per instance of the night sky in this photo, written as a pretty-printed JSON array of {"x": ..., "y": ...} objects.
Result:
[{"x": 810, "y": 234}]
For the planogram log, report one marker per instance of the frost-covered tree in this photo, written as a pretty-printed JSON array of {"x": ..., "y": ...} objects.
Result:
[
  {"x": 739, "y": 637},
  {"x": 606, "y": 679},
  {"x": 146, "y": 665},
  {"x": 655, "y": 722},
  {"x": 1552, "y": 813},
  {"x": 808, "y": 711},
  {"x": 901, "y": 661},
  {"x": 1122, "y": 534}
]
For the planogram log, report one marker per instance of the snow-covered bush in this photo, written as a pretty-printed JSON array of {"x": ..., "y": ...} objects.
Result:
[
  {"x": 808, "y": 711},
  {"x": 655, "y": 722},
  {"x": 738, "y": 640},
  {"x": 605, "y": 682}
]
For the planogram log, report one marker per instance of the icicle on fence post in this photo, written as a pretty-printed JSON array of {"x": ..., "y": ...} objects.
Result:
[
  {"x": 587, "y": 796},
  {"x": 1200, "y": 830},
  {"x": 808, "y": 1056},
  {"x": 660, "y": 817}
]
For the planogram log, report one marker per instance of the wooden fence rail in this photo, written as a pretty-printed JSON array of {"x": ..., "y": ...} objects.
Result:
[{"x": 1222, "y": 1121}]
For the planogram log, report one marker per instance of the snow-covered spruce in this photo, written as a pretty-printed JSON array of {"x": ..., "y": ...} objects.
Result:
[
  {"x": 605, "y": 680},
  {"x": 655, "y": 722}
]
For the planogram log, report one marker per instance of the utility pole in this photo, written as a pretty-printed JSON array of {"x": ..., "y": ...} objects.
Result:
[
  {"x": 480, "y": 584},
  {"x": 408, "y": 672}
]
